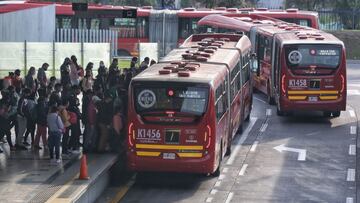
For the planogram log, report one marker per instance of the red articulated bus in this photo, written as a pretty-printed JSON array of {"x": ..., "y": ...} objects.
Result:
[
  {"x": 188, "y": 17},
  {"x": 132, "y": 31},
  {"x": 184, "y": 111},
  {"x": 298, "y": 68}
]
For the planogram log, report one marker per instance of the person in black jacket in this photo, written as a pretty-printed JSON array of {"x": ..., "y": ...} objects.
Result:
[
  {"x": 4, "y": 124},
  {"x": 42, "y": 109},
  {"x": 74, "y": 104},
  {"x": 104, "y": 120}
]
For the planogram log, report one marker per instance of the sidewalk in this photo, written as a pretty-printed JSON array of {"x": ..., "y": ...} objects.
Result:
[{"x": 28, "y": 176}]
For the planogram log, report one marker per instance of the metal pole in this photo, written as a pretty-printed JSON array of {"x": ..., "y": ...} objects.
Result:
[
  {"x": 163, "y": 35},
  {"x": 25, "y": 57}
]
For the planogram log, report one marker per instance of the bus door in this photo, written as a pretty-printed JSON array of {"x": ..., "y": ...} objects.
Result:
[
  {"x": 246, "y": 89},
  {"x": 222, "y": 101},
  {"x": 275, "y": 73},
  {"x": 264, "y": 62},
  {"x": 236, "y": 99}
]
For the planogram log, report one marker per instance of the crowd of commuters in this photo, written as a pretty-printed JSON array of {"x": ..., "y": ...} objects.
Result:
[{"x": 50, "y": 109}]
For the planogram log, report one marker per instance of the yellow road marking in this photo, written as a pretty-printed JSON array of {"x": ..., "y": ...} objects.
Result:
[
  {"x": 54, "y": 197},
  {"x": 179, "y": 147},
  {"x": 123, "y": 190}
]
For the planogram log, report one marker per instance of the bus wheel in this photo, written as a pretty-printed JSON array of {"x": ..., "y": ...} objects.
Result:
[
  {"x": 326, "y": 114},
  {"x": 247, "y": 118},
  {"x": 279, "y": 112},
  {"x": 218, "y": 170},
  {"x": 336, "y": 114},
  {"x": 270, "y": 99}
]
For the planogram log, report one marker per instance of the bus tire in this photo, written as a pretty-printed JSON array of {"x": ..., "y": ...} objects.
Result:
[
  {"x": 228, "y": 150},
  {"x": 279, "y": 112},
  {"x": 326, "y": 114},
  {"x": 218, "y": 169},
  {"x": 247, "y": 117},
  {"x": 270, "y": 99},
  {"x": 336, "y": 114}
]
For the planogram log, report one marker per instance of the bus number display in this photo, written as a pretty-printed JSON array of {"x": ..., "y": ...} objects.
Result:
[
  {"x": 148, "y": 134},
  {"x": 297, "y": 83}
]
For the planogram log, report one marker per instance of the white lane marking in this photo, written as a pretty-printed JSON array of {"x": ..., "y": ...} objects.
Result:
[
  {"x": 222, "y": 176},
  {"x": 352, "y": 130},
  {"x": 263, "y": 127},
  {"x": 253, "y": 147},
  {"x": 225, "y": 170},
  {"x": 302, "y": 152},
  {"x": 241, "y": 140},
  {"x": 218, "y": 183},
  {"x": 349, "y": 200},
  {"x": 352, "y": 113},
  {"x": 268, "y": 112},
  {"x": 352, "y": 149},
  {"x": 350, "y": 175},
  {"x": 260, "y": 100},
  {"x": 213, "y": 191},
  {"x": 243, "y": 169},
  {"x": 229, "y": 197},
  {"x": 209, "y": 199},
  {"x": 353, "y": 92}
]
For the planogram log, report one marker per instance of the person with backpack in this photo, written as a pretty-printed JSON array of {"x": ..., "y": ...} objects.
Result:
[
  {"x": 42, "y": 109},
  {"x": 56, "y": 129}
]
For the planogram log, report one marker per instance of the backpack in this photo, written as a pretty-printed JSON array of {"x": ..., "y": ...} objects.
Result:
[{"x": 73, "y": 117}]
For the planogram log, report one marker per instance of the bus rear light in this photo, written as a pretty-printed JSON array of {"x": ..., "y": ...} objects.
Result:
[
  {"x": 131, "y": 135},
  {"x": 342, "y": 83},
  {"x": 283, "y": 84},
  {"x": 208, "y": 135}
]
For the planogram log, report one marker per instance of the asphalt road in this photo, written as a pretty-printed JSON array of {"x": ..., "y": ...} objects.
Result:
[{"x": 304, "y": 158}]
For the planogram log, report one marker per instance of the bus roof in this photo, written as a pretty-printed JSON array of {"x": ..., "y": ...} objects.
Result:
[
  {"x": 308, "y": 37},
  {"x": 65, "y": 8},
  {"x": 223, "y": 57}
]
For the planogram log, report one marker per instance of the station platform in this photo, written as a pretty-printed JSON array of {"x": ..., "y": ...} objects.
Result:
[{"x": 29, "y": 176}]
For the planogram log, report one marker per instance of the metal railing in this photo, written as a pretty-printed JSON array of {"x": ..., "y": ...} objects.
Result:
[
  {"x": 89, "y": 36},
  {"x": 339, "y": 19}
]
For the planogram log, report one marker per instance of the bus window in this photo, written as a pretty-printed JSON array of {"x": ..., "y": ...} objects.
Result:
[
  {"x": 179, "y": 98},
  {"x": 221, "y": 104},
  {"x": 131, "y": 27},
  {"x": 327, "y": 56},
  {"x": 66, "y": 23},
  {"x": 95, "y": 23},
  {"x": 302, "y": 22},
  {"x": 187, "y": 26},
  {"x": 82, "y": 23},
  {"x": 235, "y": 81},
  {"x": 245, "y": 71}
]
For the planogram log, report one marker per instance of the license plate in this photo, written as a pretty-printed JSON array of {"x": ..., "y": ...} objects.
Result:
[
  {"x": 168, "y": 155},
  {"x": 297, "y": 83},
  {"x": 313, "y": 99}
]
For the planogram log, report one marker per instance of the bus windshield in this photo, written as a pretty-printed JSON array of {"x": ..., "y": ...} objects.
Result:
[
  {"x": 325, "y": 56},
  {"x": 188, "y": 99}
]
